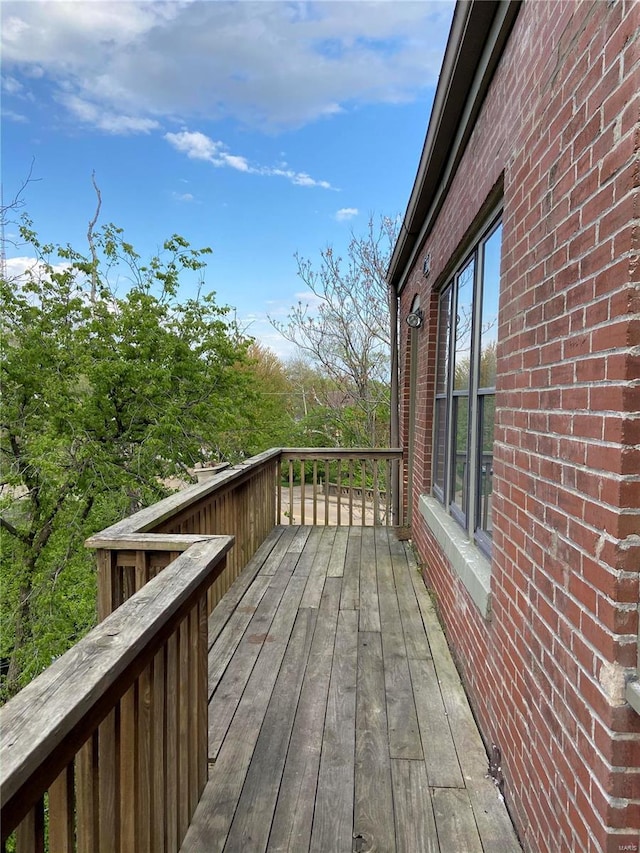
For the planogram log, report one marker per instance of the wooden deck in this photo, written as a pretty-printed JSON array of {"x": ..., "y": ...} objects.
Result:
[{"x": 337, "y": 721}]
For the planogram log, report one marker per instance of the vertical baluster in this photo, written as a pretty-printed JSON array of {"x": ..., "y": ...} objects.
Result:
[
  {"x": 108, "y": 806},
  {"x": 158, "y": 797},
  {"x": 388, "y": 519},
  {"x": 315, "y": 492},
  {"x": 279, "y": 492},
  {"x": 183, "y": 729},
  {"x": 30, "y": 832},
  {"x": 303, "y": 477},
  {"x": 62, "y": 813},
  {"x": 326, "y": 491},
  {"x": 193, "y": 628},
  {"x": 203, "y": 698},
  {"x": 363, "y": 476},
  {"x": 351, "y": 493},
  {"x": 128, "y": 752},
  {"x": 376, "y": 493},
  {"x": 171, "y": 728},
  {"x": 291, "y": 491},
  {"x": 338, "y": 492},
  {"x": 144, "y": 768},
  {"x": 87, "y": 823}
]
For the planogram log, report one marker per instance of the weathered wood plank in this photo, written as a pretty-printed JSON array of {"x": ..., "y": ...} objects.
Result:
[
  {"x": 292, "y": 822},
  {"x": 308, "y": 555},
  {"x": 404, "y": 732},
  {"x": 333, "y": 819},
  {"x": 350, "y": 598},
  {"x": 414, "y": 820},
  {"x": 373, "y": 827},
  {"x": 415, "y": 637},
  {"x": 272, "y": 563},
  {"x": 440, "y": 754},
  {"x": 252, "y": 820},
  {"x": 229, "y": 638},
  {"x": 226, "y": 607},
  {"x": 318, "y": 573},
  {"x": 335, "y": 568},
  {"x": 455, "y": 821},
  {"x": 494, "y": 824},
  {"x": 212, "y": 818},
  {"x": 369, "y": 607},
  {"x": 228, "y": 694}
]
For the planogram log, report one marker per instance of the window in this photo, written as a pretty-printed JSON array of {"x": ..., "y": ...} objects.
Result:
[{"x": 465, "y": 388}]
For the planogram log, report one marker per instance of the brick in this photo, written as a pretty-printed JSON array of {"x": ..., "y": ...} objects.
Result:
[{"x": 561, "y": 126}]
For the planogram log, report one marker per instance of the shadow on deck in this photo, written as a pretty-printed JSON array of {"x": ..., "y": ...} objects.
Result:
[{"x": 337, "y": 721}]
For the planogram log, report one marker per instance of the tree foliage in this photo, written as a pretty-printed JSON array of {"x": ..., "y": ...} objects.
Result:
[
  {"x": 104, "y": 397},
  {"x": 344, "y": 332}
]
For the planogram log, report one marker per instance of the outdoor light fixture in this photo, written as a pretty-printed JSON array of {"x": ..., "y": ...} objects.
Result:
[
  {"x": 415, "y": 318},
  {"x": 426, "y": 265}
]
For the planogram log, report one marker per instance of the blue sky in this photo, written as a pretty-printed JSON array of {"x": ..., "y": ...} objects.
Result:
[{"x": 259, "y": 129}]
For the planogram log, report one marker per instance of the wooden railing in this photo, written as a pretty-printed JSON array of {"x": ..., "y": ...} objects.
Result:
[
  {"x": 107, "y": 749},
  {"x": 240, "y": 502},
  {"x": 328, "y": 485}
]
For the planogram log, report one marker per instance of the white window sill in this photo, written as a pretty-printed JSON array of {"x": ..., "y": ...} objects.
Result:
[
  {"x": 467, "y": 561},
  {"x": 633, "y": 695}
]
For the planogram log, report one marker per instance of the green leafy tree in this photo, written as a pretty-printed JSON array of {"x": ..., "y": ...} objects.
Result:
[{"x": 104, "y": 397}]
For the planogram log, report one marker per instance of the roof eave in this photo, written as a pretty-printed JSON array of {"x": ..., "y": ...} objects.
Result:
[{"x": 479, "y": 32}]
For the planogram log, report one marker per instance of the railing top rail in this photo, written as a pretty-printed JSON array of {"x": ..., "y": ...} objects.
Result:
[
  {"x": 341, "y": 452},
  {"x": 150, "y": 517},
  {"x": 51, "y": 717}
]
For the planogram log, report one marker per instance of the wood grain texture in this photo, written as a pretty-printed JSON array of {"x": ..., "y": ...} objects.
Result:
[
  {"x": 404, "y": 732},
  {"x": 373, "y": 822},
  {"x": 369, "y": 607},
  {"x": 415, "y": 824},
  {"x": 350, "y": 597},
  {"x": 333, "y": 818},
  {"x": 293, "y": 817},
  {"x": 62, "y": 812},
  {"x": 455, "y": 822},
  {"x": 213, "y": 817},
  {"x": 252, "y": 820}
]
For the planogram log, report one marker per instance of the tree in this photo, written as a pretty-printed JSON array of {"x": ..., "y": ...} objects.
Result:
[
  {"x": 345, "y": 332},
  {"x": 105, "y": 397}
]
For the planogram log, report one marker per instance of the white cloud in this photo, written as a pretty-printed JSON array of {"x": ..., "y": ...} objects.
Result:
[
  {"x": 199, "y": 146},
  {"x": 109, "y": 122},
  {"x": 11, "y": 115},
  {"x": 346, "y": 213},
  {"x": 185, "y": 197},
  {"x": 266, "y": 64}
]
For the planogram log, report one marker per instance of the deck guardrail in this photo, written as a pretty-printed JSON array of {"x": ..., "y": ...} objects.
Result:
[
  {"x": 107, "y": 748},
  {"x": 329, "y": 485}
]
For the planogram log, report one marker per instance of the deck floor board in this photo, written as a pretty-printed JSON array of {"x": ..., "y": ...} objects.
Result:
[{"x": 337, "y": 721}]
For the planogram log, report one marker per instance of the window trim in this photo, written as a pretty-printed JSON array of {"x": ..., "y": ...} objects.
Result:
[{"x": 463, "y": 540}]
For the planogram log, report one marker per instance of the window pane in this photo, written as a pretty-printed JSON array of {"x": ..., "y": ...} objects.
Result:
[
  {"x": 461, "y": 452},
  {"x": 440, "y": 447},
  {"x": 486, "y": 414},
  {"x": 444, "y": 332},
  {"x": 464, "y": 324},
  {"x": 489, "y": 320}
]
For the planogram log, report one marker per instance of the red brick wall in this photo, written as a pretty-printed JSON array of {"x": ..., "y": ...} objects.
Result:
[{"x": 560, "y": 127}]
